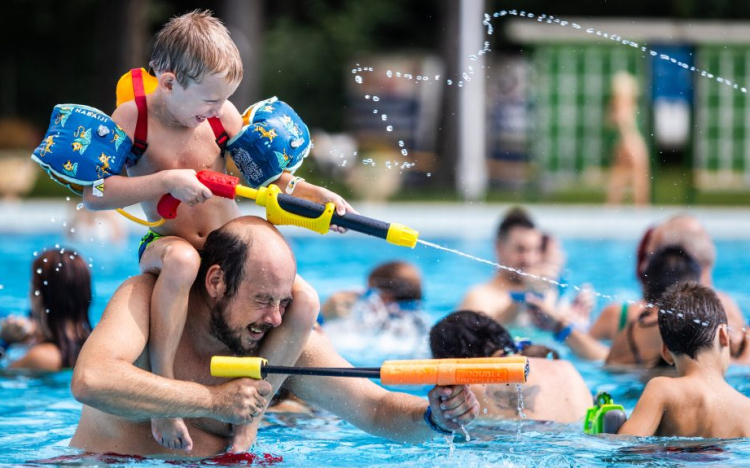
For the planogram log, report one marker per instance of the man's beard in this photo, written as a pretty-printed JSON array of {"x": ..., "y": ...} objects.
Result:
[{"x": 220, "y": 329}]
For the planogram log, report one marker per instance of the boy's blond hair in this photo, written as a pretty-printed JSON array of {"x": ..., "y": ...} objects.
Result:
[{"x": 193, "y": 45}]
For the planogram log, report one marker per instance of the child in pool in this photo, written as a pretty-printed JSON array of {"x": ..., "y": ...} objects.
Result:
[
  {"x": 698, "y": 402},
  {"x": 194, "y": 84}
]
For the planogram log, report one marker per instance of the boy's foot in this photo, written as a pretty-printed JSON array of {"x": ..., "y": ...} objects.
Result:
[
  {"x": 171, "y": 433},
  {"x": 242, "y": 439}
]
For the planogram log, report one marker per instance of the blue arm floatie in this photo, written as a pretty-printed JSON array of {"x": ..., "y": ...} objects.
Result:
[
  {"x": 82, "y": 145},
  {"x": 273, "y": 140}
]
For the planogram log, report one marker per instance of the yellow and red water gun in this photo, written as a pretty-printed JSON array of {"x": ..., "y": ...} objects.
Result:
[{"x": 283, "y": 209}]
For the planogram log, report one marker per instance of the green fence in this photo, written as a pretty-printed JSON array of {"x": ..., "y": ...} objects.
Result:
[
  {"x": 722, "y": 119},
  {"x": 572, "y": 140}
]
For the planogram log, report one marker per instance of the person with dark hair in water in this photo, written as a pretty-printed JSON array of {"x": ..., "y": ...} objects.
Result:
[
  {"x": 637, "y": 342},
  {"x": 59, "y": 321},
  {"x": 698, "y": 402},
  {"x": 530, "y": 260},
  {"x": 554, "y": 391}
]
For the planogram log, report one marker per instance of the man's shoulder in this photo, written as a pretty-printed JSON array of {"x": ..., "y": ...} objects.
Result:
[{"x": 138, "y": 285}]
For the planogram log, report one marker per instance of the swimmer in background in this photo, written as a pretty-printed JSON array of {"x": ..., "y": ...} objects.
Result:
[
  {"x": 630, "y": 165},
  {"x": 638, "y": 343},
  {"x": 554, "y": 391},
  {"x": 59, "y": 322},
  {"x": 392, "y": 301},
  {"x": 698, "y": 402},
  {"x": 521, "y": 246}
]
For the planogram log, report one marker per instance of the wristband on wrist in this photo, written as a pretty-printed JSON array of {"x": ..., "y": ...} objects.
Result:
[
  {"x": 563, "y": 334},
  {"x": 293, "y": 184},
  {"x": 432, "y": 424}
]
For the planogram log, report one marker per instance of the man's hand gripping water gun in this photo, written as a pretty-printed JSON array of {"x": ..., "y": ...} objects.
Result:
[{"x": 283, "y": 209}]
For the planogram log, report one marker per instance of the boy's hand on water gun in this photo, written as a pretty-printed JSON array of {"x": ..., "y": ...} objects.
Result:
[
  {"x": 185, "y": 186},
  {"x": 453, "y": 406},
  {"x": 15, "y": 329},
  {"x": 323, "y": 196}
]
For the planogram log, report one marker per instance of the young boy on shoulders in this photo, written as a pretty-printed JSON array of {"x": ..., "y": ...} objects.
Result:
[
  {"x": 198, "y": 68},
  {"x": 698, "y": 402}
]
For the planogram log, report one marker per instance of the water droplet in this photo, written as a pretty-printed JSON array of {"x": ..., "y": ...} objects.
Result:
[
  {"x": 389, "y": 73},
  {"x": 473, "y": 57},
  {"x": 37, "y": 292},
  {"x": 460, "y": 84},
  {"x": 388, "y": 164},
  {"x": 57, "y": 246},
  {"x": 358, "y": 79},
  {"x": 67, "y": 198},
  {"x": 398, "y": 74},
  {"x": 389, "y": 128},
  {"x": 375, "y": 98},
  {"x": 502, "y": 13},
  {"x": 354, "y": 71},
  {"x": 38, "y": 271},
  {"x": 367, "y": 96},
  {"x": 401, "y": 143},
  {"x": 36, "y": 253},
  {"x": 407, "y": 76},
  {"x": 45, "y": 282},
  {"x": 429, "y": 174},
  {"x": 374, "y": 111},
  {"x": 450, "y": 82},
  {"x": 44, "y": 260},
  {"x": 437, "y": 77},
  {"x": 52, "y": 220},
  {"x": 404, "y": 152},
  {"x": 384, "y": 117}
]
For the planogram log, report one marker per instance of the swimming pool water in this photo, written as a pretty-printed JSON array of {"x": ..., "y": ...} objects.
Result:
[{"x": 39, "y": 414}]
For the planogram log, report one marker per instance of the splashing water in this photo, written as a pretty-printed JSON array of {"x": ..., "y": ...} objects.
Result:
[
  {"x": 520, "y": 406},
  {"x": 465, "y": 433},
  {"x": 607, "y": 297}
]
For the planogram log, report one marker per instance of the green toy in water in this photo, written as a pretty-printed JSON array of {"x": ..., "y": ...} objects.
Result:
[{"x": 605, "y": 417}]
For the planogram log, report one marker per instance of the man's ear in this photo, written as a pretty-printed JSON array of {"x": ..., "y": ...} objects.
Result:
[
  {"x": 667, "y": 355},
  {"x": 215, "y": 286},
  {"x": 723, "y": 333},
  {"x": 167, "y": 80}
]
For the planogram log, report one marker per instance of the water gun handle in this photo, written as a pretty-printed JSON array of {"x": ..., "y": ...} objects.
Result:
[
  {"x": 167, "y": 206},
  {"x": 221, "y": 185},
  {"x": 351, "y": 221}
]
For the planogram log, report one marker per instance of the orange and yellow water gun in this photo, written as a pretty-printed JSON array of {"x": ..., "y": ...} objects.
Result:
[
  {"x": 283, "y": 209},
  {"x": 502, "y": 370}
]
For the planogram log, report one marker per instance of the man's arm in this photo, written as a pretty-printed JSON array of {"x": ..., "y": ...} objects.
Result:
[
  {"x": 649, "y": 410},
  {"x": 105, "y": 377},
  {"x": 396, "y": 416}
]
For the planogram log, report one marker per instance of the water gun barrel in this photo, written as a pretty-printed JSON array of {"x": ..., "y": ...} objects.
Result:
[{"x": 421, "y": 372}]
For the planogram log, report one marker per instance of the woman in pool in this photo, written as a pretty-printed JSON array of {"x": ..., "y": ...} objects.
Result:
[{"x": 59, "y": 321}]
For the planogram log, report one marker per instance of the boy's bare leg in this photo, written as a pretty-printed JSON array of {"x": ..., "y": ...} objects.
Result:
[
  {"x": 176, "y": 262},
  {"x": 282, "y": 347}
]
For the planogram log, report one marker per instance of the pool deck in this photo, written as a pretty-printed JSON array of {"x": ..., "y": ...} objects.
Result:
[{"x": 465, "y": 220}]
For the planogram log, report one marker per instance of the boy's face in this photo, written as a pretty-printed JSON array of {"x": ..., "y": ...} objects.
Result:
[{"x": 192, "y": 105}]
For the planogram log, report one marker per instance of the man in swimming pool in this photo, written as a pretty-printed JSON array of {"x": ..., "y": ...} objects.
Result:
[
  {"x": 524, "y": 248},
  {"x": 698, "y": 402},
  {"x": 243, "y": 287}
]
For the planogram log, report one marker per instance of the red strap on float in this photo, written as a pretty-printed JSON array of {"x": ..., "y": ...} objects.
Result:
[
  {"x": 219, "y": 132},
  {"x": 141, "y": 127}
]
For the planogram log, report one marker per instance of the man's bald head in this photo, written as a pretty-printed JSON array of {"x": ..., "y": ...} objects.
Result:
[
  {"x": 238, "y": 243},
  {"x": 689, "y": 233}
]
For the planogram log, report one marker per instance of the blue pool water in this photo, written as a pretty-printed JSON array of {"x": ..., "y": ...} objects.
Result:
[{"x": 39, "y": 414}]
